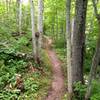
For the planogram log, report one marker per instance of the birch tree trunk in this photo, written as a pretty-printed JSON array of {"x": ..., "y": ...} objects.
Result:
[
  {"x": 68, "y": 39},
  {"x": 56, "y": 35},
  {"x": 33, "y": 28},
  {"x": 7, "y": 8},
  {"x": 40, "y": 27},
  {"x": 53, "y": 27},
  {"x": 17, "y": 14},
  {"x": 20, "y": 16}
]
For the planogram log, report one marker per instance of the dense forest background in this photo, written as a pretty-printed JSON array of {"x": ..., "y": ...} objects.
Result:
[{"x": 30, "y": 29}]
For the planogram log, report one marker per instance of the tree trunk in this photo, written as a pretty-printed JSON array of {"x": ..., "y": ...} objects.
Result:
[
  {"x": 20, "y": 17},
  {"x": 96, "y": 57},
  {"x": 53, "y": 26},
  {"x": 40, "y": 27},
  {"x": 57, "y": 32},
  {"x": 7, "y": 8},
  {"x": 68, "y": 39},
  {"x": 33, "y": 29},
  {"x": 79, "y": 40},
  {"x": 95, "y": 61}
]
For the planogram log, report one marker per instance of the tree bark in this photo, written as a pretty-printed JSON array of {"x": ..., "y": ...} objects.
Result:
[
  {"x": 33, "y": 29},
  {"x": 78, "y": 44},
  {"x": 7, "y": 8},
  {"x": 40, "y": 27},
  {"x": 94, "y": 65},
  {"x": 19, "y": 12},
  {"x": 20, "y": 16},
  {"x": 68, "y": 40},
  {"x": 53, "y": 26}
]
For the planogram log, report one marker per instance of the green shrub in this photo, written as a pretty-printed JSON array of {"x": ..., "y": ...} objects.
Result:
[
  {"x": 95, "y": 90},
  {"x": 31, "y": 85},
  {"x": 79, "y": 90}
]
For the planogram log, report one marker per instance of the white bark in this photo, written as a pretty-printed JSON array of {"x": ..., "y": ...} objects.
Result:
[
  {"x": 72, "y": 30},
  {"x": 33, "y": 28},
  {"x": 7, "y": 7},
  {"x": 40, "y": 23},
  {"x": 20, "y": 16},
  {"x": 68, "y": 39}
]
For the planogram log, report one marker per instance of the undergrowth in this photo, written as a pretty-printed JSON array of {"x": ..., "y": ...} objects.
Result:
[{"x": 35, "y": 83}]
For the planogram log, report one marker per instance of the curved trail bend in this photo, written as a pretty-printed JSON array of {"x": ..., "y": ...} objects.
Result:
[{"x": 57, "y": 86}]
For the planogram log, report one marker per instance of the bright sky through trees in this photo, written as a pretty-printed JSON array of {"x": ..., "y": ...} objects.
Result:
[{"x": 25, "y": 2}]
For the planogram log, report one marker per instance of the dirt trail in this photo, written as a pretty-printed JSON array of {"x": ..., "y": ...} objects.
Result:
[{"x": 57, "y": 87}]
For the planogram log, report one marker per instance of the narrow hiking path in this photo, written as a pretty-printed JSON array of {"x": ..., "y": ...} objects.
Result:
[{"x": 57, "y": 87}]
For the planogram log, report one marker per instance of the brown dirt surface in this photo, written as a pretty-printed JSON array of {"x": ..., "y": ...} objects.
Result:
[{"x": 57, "y": 87}]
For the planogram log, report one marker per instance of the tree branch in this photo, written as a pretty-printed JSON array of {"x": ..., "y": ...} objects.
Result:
[{"x": 95, "y": 9}]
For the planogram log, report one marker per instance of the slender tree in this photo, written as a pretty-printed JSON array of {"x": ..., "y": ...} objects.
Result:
[
  {"x": 53, "y": 26},
  {"x": 68, "y": 39},
  {"x": 40, "y": 27},
  {"x": 96, "y": 57},
  {"x": 33, "y": 28},
  {"x": 7, "y": 7},
  {"x": 57, "y": 32},
  {"x": 20, "y": 16}
]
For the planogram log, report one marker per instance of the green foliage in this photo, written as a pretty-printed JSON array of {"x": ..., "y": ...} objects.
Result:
[
  {"x": 95, "y": 90},
  {"x": 6, "y": 95},
  {"x": 54, "y": 26},
  {"x": 96, "y": 96},
  {"x": 91, "y": 37},
  {"x": 36, "y": 85},
  {"x": 8, "y": 71},
  {"x": 31, "y": 85},
  {"x": 60, "y": 43},
  {"x": 61, "y": 53},
  {"x": 79, "y": 90}
]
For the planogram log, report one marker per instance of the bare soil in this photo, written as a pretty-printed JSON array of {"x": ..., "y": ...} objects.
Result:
[{"x": 57, "y": 87}]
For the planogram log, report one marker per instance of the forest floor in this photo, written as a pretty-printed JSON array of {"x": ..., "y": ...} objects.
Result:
[
  {"x": 57, "y": 87},
  {"x": 44, "y": 84}
]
